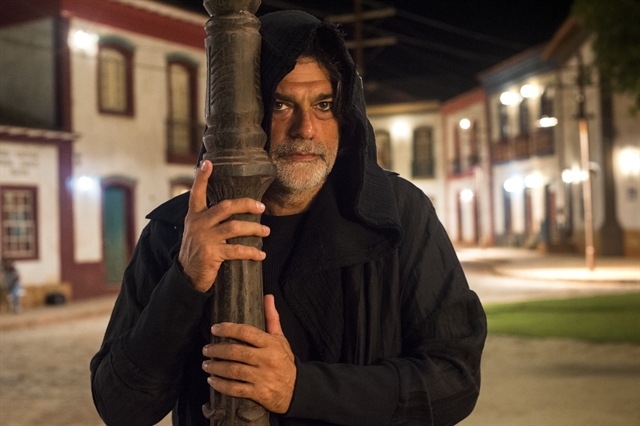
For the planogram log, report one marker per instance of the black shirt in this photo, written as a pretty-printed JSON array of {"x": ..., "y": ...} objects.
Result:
[{"x": 278, "y": 246}]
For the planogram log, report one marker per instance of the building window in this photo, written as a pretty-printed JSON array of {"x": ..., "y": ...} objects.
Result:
[
  {"x": 180, "y": 186},
  {"x": 503, "y": 121},
  {"x": 423, "y": 157},
  {"x": 383, "y": 149},
  {"x": 524, "y": 117},
  {"x": 184, "y": 132},
  {"x": 474, "y": 153},
  {"x": 115, "y": 77},
  {"x": 456, "y": 164},
  {"x": 19, "y": 222},
  {"x": 546, "y": 103}
]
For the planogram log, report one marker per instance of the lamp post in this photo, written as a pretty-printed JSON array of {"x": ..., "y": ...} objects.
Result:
[
  {"x": 234, "y": 142},
  {"x": 584, "y": 154}
]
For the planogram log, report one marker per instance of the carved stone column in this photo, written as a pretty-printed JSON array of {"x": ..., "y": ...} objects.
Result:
[{"x": 235, "y": 143}]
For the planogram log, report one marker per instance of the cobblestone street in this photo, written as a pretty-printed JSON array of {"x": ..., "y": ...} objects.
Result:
[
  {"x": 44, "y": 374},
  {"x": 45, "y": 354},
  {"x": 44, "y": 380}
]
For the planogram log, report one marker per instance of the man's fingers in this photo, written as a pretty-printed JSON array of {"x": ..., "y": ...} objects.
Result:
[
  {"x": 237, "y": 228},
  {"x": 242, "y": 332},
  {"x": 272, "y": 318},
  {"x": 240, "y": 252},
  {"x": 231, "y": 387},
  {"x": 198, "y": 196},
  {"x": 226, "y": 208}
]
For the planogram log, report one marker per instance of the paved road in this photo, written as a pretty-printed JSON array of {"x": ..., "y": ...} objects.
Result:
[{"x": 44, "y": 377}]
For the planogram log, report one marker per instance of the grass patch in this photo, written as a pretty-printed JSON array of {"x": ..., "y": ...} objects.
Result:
[{"x": 610, "y": 318}]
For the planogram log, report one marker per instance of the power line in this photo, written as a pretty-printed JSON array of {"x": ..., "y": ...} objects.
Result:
[
  {"x": 439, "y": 47},
  {"x": 450, "y": 28}
]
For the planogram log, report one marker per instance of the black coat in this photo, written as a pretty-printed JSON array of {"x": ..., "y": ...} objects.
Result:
[
  {"x": 398, "y": 330},
  {"x": 373, "y": 279}
]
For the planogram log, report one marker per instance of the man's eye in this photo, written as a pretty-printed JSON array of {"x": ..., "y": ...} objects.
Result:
[
  {"x": 279, "y": 106},
  {"x": 325, "y": 106}
]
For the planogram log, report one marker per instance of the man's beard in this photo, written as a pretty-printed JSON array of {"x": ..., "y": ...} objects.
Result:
[{"x": 300, "y": 176}]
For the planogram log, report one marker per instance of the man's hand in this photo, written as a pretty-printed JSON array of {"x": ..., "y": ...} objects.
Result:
[
  {"x": 264, "y": 372},
  {"x": 204, "y": 242}
]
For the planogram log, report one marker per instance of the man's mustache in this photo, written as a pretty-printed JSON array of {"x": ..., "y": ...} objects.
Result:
[{"x": 298, "y": 146}]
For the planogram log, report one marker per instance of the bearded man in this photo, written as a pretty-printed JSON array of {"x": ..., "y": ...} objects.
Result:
[{"x": 369, "y": 318}]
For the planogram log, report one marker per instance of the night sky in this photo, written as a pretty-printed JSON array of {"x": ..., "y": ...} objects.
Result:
[{"x": 443, "y": 44}]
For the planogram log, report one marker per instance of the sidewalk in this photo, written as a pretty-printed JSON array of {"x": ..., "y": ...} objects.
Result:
[
  {"x": 529, "y": 264},
  {"x": 517, "y": 263},
  {"x": 53, "y": 314}
]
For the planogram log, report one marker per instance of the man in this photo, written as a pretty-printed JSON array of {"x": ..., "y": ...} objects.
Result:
[
  {"x": 369, "y": 319},
  {"x": 11, "y": 285}
]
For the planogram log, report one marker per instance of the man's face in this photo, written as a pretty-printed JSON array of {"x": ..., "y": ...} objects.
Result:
[{"x": 304, "y": 131}]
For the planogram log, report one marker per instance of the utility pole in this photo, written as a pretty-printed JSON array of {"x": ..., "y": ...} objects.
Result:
[
  {"x": 359, "y": 43},
  {"x": 584, "y": 151},
  {"x": 357, "y": 11}
]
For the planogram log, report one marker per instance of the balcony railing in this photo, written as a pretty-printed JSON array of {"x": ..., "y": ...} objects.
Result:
[
  {"x": 520, "y": 147},
  {"x": 501, "y": 151},
  {"x": 542, "y": 142}
]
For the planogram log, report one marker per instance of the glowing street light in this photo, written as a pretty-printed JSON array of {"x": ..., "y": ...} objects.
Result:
[
  {"x": 465, "y": 123},
  {"x": 510, "y": 98},
  {"x": 529, "y": 91},
  {"x": 513, "y": 184},
  {"x": 466, "y": 195}
]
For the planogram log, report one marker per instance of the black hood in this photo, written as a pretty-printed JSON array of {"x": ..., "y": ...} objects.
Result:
[{"x": 365, "y": 189}]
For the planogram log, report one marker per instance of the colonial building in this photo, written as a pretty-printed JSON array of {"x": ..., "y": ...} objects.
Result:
[
  {"x": 467, "y": 162},
  {"x": 535, "y": 100},
  {"x": 101, "y": 108},
  {"x": 409, "y": 142}
]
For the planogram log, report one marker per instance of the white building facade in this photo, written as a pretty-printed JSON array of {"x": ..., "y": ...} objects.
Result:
[{"x": 102, "y": 115}]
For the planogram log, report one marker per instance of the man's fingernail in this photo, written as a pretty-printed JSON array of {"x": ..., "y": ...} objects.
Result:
[
  {"x": 215, "y": 328},
  {"x": 259, "y": 205}
]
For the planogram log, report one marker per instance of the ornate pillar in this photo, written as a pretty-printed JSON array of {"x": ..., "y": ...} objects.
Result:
[{"x": 235, "y": 143}]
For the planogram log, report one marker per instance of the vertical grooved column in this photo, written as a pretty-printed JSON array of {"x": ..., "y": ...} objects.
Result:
[{"x": 234, "y": 142}]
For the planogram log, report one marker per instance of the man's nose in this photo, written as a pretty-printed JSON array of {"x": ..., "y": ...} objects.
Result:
[{"x": 303, "y": 124}]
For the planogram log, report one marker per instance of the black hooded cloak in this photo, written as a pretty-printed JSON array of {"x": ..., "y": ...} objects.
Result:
[{"x": 372, "y": 279}]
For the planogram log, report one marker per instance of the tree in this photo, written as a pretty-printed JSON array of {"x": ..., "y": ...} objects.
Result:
[{"x": 616, "y": 25}]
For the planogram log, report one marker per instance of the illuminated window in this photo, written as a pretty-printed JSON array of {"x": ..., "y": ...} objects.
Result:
[
  {"x": 19, "y": 222},
  {"x": 423, "y": 156},
  {"x": 115, "y": 77},
  {"x": 184, "y": 132},
  {"x": 383, "y": 148}
]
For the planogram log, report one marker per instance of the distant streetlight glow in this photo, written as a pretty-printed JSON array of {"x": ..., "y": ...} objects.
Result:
[
  {"x": 513, "y": 184},
  {"x": 629, "y": 160},
  {"x": 465, "y": 123},
  {"x": 466, "y": 195},
  {"x": 529, "y": 91},
  {"x": 82, "y": 40},
  {"x": 510, "y": 98},
  {"x": 568, "y": 176},
  {"x": 86, "y": 183},
  {"x": 547, "y": 122},
  {"x": 533, "y": 180},
  {"x": 400, "y": 129}
]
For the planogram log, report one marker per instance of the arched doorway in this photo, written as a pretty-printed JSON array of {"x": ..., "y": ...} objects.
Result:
[{"x": 117, "y": 223}]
